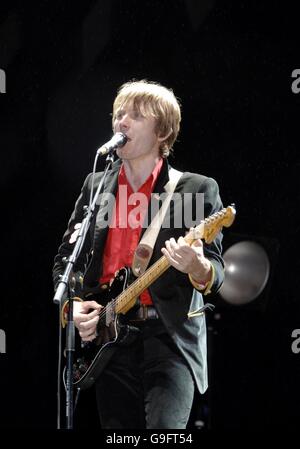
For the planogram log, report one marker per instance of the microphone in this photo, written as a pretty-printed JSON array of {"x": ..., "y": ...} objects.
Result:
[{"x": 117, "y": 140}]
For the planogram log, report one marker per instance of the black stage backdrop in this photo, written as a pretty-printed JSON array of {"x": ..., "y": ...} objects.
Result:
[{"x": 231, "y": 64}]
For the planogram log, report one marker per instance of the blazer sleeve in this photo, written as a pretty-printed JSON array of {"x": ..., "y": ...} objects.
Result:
[
  {"x": 66, "y": 248},
  {"x": 213, "y": 251}
]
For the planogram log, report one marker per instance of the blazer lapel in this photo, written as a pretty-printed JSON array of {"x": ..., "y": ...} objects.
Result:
[{"x": 107, "y": 201}]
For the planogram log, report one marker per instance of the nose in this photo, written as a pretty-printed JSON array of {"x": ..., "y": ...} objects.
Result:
[{"x": 124, "y": 122}]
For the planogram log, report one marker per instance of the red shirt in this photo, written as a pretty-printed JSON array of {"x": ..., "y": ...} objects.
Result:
[{"x": 126, "y": 226}]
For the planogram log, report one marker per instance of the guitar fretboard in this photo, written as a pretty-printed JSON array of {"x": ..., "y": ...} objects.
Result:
[{"x": 126, "y": 299}]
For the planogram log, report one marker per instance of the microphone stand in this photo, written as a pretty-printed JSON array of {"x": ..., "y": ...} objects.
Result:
[{"x": 66, "y": 282}]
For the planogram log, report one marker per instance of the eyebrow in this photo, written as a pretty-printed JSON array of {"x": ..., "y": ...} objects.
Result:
[{"x": 130, "y": 110}]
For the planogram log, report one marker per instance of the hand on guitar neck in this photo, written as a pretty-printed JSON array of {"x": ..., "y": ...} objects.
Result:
[{"x": 188, "y": 258}]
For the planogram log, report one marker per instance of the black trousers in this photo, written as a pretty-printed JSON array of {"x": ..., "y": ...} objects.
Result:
[{"x": 146, "y": 384}]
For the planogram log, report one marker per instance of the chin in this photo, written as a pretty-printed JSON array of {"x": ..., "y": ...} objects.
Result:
[{"x": 123, "y": 154}]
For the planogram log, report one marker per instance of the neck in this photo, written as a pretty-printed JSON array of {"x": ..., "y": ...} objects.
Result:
[{"x": 137, "y": 171}]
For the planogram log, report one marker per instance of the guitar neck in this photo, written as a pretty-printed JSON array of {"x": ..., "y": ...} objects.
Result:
[
  {"x": 126, "y": 300},
  {"x": 206, "y": 230}
]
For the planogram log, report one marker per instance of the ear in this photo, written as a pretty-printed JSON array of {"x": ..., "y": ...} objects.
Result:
[{"x": 163, "y": 138}]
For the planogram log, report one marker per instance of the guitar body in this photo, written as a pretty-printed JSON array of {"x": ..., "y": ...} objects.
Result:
[{"x": 92, "y": 357}]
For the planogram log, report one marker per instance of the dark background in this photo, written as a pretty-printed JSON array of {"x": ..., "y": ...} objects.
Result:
[{"x": 230, "y": 63}]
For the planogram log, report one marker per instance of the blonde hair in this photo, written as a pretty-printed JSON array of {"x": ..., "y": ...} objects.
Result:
[{"x": 152, "y": 99}]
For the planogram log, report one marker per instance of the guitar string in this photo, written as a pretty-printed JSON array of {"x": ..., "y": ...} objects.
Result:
[{"x": 135, "y": 285}]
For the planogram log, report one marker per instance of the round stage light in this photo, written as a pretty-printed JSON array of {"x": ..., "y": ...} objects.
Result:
[{"x": 247, "y": 270}]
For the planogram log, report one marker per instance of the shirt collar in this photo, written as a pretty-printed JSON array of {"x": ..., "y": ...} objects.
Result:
[{"x": 152, "y": 178}]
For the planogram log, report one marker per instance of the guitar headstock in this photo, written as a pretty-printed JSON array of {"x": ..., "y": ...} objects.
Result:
[{"x": 211, "y": 226}]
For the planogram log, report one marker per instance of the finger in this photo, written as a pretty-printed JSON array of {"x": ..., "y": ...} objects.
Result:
[
  {"x": 92, "y": 304},
  {"x": 92, "y": 314},
  {"x": 168, "y": 247},
  {"x": 88, "y": 325},
  {"x": 87, "y": 328},
  {"x": 182, "y": 243},
  {"x": 174, "y": 252},
  {"x": 174, "y": 245},
  {"x": 198, "y": 243},
  {"x": 185, "y": 252},
  {"x": 87, "y": 305},
  {"x": 85, "y": 317},
  {"x": 171, "y": 259},
  {"x": 88, "y": 336},
  {"x": 73, "y": 237}
]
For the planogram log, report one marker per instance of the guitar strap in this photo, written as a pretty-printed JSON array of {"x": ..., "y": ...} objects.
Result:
[{"x": 144, "y": 249}]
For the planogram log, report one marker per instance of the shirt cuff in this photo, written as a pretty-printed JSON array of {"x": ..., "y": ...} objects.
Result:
[{"x": 205, "y": 289}]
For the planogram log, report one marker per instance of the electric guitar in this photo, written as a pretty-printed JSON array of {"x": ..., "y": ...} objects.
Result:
[{"x": 113, "y": 329}]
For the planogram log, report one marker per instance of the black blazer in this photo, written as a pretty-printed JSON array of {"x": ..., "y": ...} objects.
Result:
[{"x": 172, "y": 294}]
